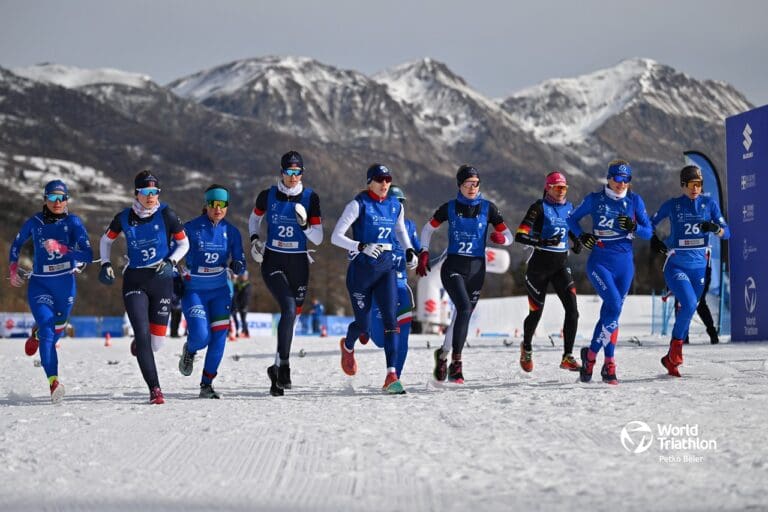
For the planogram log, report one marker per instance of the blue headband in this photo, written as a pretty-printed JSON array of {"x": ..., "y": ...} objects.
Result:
[{"x": 217, "y": 194}]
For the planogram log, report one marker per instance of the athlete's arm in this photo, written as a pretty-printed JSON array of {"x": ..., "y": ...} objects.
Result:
[
  {"x": 176, "y": 228},
  {"x": 401, "y": 232},
  {"x": 497, "y": 221},
  {"x": 717, "y": 217},
  {"x": 644, "y": 229},
  {"x": 339, "y": 236},
  {"x": 82, "y": 251},
  {"x": 24, "y": 233},
  {"x": 105, "y": 243},
  {"x": 530, "y": 225},
  {"x": 235, "y": 244},
  {"x": 314, "y": 231},
  {"x": 576, "y": 215},
  {"x": 440, "y": 216},
  {"x": 254, "y": 220}
]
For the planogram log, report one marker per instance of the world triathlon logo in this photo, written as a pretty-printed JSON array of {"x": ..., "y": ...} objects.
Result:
[
  {"x": 636, "y": 437},
  {"x": 750, "y": 295}
]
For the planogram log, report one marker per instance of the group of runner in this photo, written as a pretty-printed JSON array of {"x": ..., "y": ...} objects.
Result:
[{"x": 382, "y": 246}]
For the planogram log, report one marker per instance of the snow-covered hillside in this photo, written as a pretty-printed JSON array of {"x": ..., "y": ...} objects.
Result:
[
  {"x": 566, "y": 110},
  {"x": 90, "y": 188},
  {"x": 447, "y": 108},
  {"x": 298, "y": 95},
  {"x": 73, "y": 77}
]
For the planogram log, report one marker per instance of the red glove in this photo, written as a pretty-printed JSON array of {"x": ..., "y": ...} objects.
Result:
[
  {"x": 53, "y": 246},
  {"x": 498, "y": 237},
  {"x": 16, "y": 280},
  {"x": 423, "y": 266}
]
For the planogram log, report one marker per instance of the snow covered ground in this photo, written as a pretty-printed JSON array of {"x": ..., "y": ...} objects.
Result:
[{"x": 503, "y": 441}]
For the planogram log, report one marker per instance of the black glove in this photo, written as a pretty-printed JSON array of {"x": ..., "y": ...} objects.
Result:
[
  {"x": 550, "y": 242},
  {"x": 237, "y": 266},
  {"x": 411, "y": 259},
  {"x": 657, "y": 245},
  {"x": 106, "y": 274},
  {"x": 165, "y": 269},
  {"x": 178, "y": 285},
  {"x": 626, "y": 223},
  {"x": 577, "y": 246},
  {"x": 588, "y": 240},
  {"x": 709, "y": 227}
]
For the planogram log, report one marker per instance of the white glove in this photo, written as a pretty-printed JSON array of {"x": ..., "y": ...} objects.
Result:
[
  {"x": 257, "y": 250},
  {"x": 301, "y": 215},
  {"x": 373, "y": 250},
  {"x": 411, "y": 259}
]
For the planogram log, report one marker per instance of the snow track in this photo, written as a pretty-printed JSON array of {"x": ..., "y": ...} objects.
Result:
[{"x": 505, "y": 440}]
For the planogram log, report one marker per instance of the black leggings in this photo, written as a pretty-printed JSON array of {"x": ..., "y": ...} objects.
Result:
[
  {"x": 544, "y": 268},
  {"x": 147, "y": 300},
  {"x": 286, "y": 276},
  {"x": 462, "y": 278}
]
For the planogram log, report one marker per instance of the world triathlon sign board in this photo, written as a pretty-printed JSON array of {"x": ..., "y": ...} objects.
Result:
[{"x": 747, "y": 156}]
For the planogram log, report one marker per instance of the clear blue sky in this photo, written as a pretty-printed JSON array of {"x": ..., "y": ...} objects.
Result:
[{"x": 498, "y": 46}]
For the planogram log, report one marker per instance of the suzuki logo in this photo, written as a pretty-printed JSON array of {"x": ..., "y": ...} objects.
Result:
[
  {"x": 750, "y": 295},
  {"x": 490, "y": 256},
  {"x": 747, "y": 139},
  {"x": 430, "y": 306}
]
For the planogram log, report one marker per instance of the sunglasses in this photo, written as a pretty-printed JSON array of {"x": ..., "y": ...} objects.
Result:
[
  {"x": 620, "y": 178},
  {"x": 293, "y": 172},
  {"x": 559, "y": 188},
  {"x": 471, "y": 184},
  {"x": 383, "y": 179},
  {"x": 56, "y": 197},
  {"x": 217, "y": 203},
  {"x": 148, "y": 191},
  {"x": 694, "y": 185}
]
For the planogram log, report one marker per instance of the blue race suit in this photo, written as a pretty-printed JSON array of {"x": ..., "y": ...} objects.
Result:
[
  {"x": 51, "y": 291},
  {"x": 610, "y": 266},
  {"x": 369, "y": 278},
  {"x": 405, "y": 302},
  {"x": 686, "y": 263},
  {"x": 207, "y": 296}
]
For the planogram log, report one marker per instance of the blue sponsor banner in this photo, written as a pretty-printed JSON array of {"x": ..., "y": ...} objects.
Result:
[
  {"x": 334, "y": 325},
  {"x": 97, "y": 326},
  {"x": 747, "y": 157}
]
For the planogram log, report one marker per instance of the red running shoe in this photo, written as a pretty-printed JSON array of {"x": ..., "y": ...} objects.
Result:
[
  {"x": 156, "y": 396},
  {"x": 671, "y": 368},
  {"x": 454, "y": 372},
  {"x": 57, "y": 391},
  {"x": 570, "y": 363},
  {"x": 348, "y": 363},
  {"x": 526, "y": 358},
  {"x": 30, "y": 347}
]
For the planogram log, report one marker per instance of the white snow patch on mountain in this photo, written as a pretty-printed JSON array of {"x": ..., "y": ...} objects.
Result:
[
  {"x": 446, "y": 105},
  {"x": 567, "y": 110},
  {"x": 29, "y": 174},
  {"x": 73, "y": 77}
]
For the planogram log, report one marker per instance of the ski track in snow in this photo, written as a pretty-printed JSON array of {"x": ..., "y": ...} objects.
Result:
[{"x": 504, "y": 440}]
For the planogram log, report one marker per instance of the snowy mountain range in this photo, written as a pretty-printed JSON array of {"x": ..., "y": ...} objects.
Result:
[
  {"x": 232, "y": 122},
  {"x": 419, "y": 113}
]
